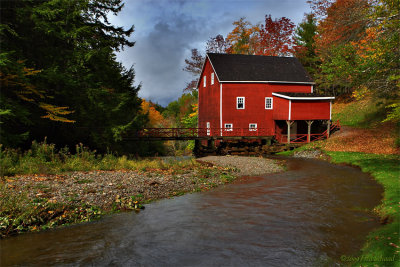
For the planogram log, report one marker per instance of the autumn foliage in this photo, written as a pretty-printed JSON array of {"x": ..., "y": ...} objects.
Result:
[
  {"x": 345, "y": 22},
  {"x": 243, "y": 38},
  {"x": 273, "y": 38},
  {"x": 155, "y": 117},
  {"x": 276, "y": 37},
  {"x": 17, "y": 81},
  {"x": 357, "y": 43},
  {"x": 359, "y": 140}
]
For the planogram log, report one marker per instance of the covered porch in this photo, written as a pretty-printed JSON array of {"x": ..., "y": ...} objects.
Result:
[
  {"x": 302, "y": 117},
  {"x": 304, "y": 131}
]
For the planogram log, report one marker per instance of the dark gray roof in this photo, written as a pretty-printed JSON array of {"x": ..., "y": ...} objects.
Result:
[{"x": 233, "y": 67}]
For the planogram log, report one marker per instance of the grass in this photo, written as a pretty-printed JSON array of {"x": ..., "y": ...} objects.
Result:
[
  {"x": 44, "y": 158},
  {"x": 383, "y": 242},
  {"x": 361, "y": 113}
]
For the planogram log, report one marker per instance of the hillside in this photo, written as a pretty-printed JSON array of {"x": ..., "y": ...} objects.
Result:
[{"x": 362, "y": 128}]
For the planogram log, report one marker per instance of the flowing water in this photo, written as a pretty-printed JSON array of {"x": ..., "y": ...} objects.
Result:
[{"x": 308, "y": 216}]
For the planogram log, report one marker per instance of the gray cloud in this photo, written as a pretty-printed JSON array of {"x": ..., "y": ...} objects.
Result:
[{"x": 166, "y": 31}]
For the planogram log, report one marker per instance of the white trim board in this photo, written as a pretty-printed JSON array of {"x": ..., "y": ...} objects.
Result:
[
  {"x": 244, "y": 102},
  {"x": 220, "y": 108},
  {"x": 211, "y": 66},
  {"x": 304, "y": 97},
  {"x": 267, "y": 82},
  {"x": 202, "y": 70}
]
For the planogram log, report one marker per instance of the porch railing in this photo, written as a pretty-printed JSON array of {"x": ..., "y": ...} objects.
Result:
[{"x": 303, "y": 138}]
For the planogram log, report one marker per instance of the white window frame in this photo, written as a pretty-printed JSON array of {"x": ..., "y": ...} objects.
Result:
[
  {"x": 272, "y": 102},
  {"x": 254, "y": 129},
  {"x": 204, "y": 81},
  {"x": 208, "y": 128},
  {"x": 237, "y": 102},
  {"x": 228, "y": 129},
  {"x": 212, "y": 78}
]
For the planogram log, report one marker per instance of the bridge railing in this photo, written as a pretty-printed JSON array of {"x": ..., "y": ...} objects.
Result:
[
  {"x": 168, "y": 132},
  {"x": 187, "y": 133},
  {"x": 242, "y": 132},
  {"x": 202, "y": 132}
]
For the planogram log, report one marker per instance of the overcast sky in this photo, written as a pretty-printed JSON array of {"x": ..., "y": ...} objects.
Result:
[{"x": 167, "y": 30}]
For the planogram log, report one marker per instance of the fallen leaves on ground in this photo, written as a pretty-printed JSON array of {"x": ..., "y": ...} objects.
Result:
[{"x": 379, "y": 140}]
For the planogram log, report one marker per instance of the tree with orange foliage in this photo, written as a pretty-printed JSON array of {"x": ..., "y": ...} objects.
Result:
[
  {"x": 155, "y": 117},
  {"x": 243, "y": 38},
  {"x": 275, "y": 37},
  {"x": 346, "y": 20},
  {"x": 340, "y": 22},
  {"x": 378, "y": 51},
  {"x": 358, "y": 45}
]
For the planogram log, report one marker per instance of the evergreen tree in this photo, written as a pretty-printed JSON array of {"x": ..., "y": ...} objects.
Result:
[
  {"x": 72, "y": 46},
  {"x": 305, "y": 49}
]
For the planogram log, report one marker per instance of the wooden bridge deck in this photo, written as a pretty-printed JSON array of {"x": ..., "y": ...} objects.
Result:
[
  {"x": 199, "y": 134},
  {"x": 164, "y": 134}
]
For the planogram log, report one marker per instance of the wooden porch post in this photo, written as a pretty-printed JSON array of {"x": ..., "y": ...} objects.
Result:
[
  {"x": 289, "y": 123},
  {"x": 309, "y": 131},
  {"x": 328, "y": 130}
]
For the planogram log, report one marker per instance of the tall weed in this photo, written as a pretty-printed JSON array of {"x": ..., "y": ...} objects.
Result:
[{"x": 44, "y": 158}]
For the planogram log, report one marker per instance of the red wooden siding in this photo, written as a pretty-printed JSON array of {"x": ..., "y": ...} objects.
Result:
[
  {"x": 281, "y": 108},
  {"x": 209, "y": 100},
  {"x": 310, "y": 110},
  {"x": 254, "y": 111}
]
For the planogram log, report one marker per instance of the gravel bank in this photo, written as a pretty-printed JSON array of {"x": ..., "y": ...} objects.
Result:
[
  {"x": 245, "y": 165},
  {"x": 37, "y": 202},
  {"x": 310, "y": 154},
  {"x": 107, "y": 188}
]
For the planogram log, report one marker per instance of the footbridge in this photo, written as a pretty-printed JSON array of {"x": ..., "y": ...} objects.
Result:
[{"x": 165, "y": 134}]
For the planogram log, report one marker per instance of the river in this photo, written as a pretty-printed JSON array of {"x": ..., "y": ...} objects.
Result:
[{"x": 309, "y": 215}]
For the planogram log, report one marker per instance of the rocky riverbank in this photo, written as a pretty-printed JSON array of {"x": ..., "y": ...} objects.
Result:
[
  {"x": 245, "y": 165},
  {"x": 36, "y": 202}
]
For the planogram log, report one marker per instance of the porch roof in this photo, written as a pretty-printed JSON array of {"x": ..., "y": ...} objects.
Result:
[{"x": 302, "y": 96}]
